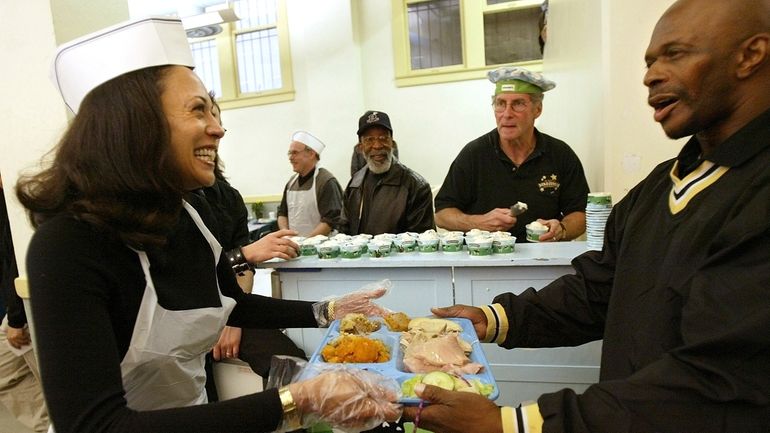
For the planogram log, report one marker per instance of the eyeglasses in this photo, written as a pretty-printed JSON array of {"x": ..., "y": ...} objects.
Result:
[
  {"x": 370, "y": 140},
  {"x": 517, "y": 105},
  {"x": 296, "y": 152}
]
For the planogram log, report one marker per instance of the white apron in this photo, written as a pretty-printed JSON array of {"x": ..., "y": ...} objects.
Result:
[
  {"x": 164, "y": 365},
  {"x": 303, "y": 207}
]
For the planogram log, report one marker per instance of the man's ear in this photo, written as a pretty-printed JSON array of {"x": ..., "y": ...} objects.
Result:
[{"x": 753, "y": 53}]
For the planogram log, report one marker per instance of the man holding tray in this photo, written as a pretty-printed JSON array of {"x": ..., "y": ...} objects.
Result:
[{"x": 679, "y": 293}]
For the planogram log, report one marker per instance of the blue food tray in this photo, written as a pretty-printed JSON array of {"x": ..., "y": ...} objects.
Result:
[{"x": 395, "y": 367}]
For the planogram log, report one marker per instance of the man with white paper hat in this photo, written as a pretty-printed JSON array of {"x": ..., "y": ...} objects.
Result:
[
  {"x": 312, "y": 199},
  {"x": 515, "y": 162}
]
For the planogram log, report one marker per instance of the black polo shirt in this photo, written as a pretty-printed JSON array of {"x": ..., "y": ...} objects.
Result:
[{"x": 482, "y": 177}]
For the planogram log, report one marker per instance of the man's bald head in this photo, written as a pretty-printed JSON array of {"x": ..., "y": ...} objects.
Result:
[
  {"x": 709, "y": 67},
  {"x": 734, "y": 19}
]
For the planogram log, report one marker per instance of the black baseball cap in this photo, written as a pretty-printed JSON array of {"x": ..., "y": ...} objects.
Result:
[{"x": 374, "y": 118}]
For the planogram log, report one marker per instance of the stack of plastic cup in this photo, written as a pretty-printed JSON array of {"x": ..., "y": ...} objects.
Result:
[{"x": 598, "y": 210}]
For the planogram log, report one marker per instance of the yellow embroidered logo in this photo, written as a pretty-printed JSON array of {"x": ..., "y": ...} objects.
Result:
[{"x": 550, "y": 183}]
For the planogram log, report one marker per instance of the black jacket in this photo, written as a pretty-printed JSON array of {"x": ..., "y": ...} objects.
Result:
[{"x": 402, "y": 202}]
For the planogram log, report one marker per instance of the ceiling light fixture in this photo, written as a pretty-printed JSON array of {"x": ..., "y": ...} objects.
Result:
[{"x": 208, "y": 23}]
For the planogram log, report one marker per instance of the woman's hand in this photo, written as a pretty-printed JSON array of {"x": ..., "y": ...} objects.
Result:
[
  {"x": 273, "y": 245},
  {"x": 348, "y": 398},
  {"x": 229, "y": 344},
  {"x": 454, "y": 411}
]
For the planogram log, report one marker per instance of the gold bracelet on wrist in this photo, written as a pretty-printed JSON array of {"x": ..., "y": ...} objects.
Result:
[
  {"x": 290, "y": 411},
  {"x": 330, "y": 311}
]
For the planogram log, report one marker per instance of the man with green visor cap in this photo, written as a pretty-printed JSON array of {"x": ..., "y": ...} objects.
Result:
[{"x": 515, "y": 163}]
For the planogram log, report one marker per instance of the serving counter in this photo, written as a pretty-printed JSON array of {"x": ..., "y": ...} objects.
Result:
[{"x": 423, "y": 280}]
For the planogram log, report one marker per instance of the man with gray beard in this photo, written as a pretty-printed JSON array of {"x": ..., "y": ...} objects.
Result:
[{"x": 385, "y": 196}]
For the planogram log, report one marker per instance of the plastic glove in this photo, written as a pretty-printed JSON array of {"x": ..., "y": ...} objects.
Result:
[
  {"x": 284, "y": 370},
  {"x": 350, "y": 399},
  {"x": 357, "y": 302}
]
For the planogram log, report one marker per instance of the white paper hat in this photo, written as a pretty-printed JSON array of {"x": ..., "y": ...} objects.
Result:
[
  {"x": 308, "y": 140},
  {"x": 84, "y": 63}
]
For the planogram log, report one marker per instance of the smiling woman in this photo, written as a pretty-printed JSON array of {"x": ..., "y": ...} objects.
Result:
[
  {"x": 195, "y": 131},
  {"x": 119, "y": 199}
]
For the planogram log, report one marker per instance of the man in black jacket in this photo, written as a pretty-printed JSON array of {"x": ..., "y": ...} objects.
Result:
[
  {"x": 385, "y": 196},
  {"x": 679, "y": 294}
]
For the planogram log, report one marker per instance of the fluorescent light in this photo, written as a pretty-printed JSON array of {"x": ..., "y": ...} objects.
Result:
[{"x": 209, "y": 19}]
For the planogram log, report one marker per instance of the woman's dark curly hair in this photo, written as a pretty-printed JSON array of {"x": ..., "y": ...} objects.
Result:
[{"x": 114, "y": 167}]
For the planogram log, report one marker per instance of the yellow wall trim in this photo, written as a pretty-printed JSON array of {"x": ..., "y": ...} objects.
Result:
[{"x": 262, "y": 198}]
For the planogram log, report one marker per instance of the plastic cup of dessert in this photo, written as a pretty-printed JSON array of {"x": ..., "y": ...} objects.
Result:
[
  {"x": 385, "y": 237},
  {"x": 427, "y": 245},
  {"x": 476, "y": 232},
  {"x": 350, "y": 251},
  {"x": 361, "y": 244},
  {"x": 379, "y": 249},
  {"x": 451, "y": 244},
  {"x": 534, "y": 231},
  {"x": 404, "y": 244},
  {"x": 501, "y": 234},
  {"x": 341, "y": 238},
  {"x": 480, "y": 246},
  {"x": 504, "y": 245},
  {"x": 328, "y": 250},
  {"x": 308, "y": 248},
  {"x": 600, "y": 199}
]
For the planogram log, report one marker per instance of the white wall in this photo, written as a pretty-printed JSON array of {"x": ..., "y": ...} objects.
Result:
[
  {"x": 343, "y": 64},
  {"x": 595, "y": 53},
  {"x": 327, "y": 80},
  {"x": 31, "y": 114},
  {"x": 633, "y": 142}
]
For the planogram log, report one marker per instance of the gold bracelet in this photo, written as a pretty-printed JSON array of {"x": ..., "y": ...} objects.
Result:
[
  {"x": 290, "y": 411},
  {"x": 330, "y": 311}
]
